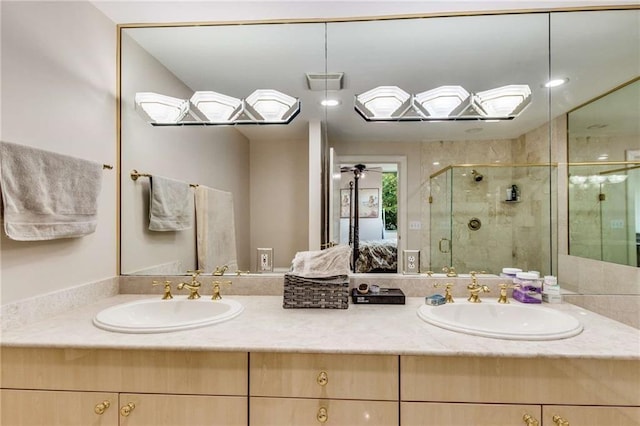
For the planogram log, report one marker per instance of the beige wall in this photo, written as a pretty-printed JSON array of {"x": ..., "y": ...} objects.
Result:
[
  {"x": 279, "y": 199},
  {"x": 217, "y": 157},
  {"x": 58, "y": 93}
]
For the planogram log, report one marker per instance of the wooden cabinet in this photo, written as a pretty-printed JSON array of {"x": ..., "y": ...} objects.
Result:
[
  {"x": 164, "y": 388},
  {"x": 451, "y": 414},
  {"x": 590, "y": 416},
  {"x": 52, "y": 387},
  {"x": 55, "y": 408},
  {"x": 315, "y": 412},
  {"x": 187, "y": 410},
  {"x": 315, "y": 389}
]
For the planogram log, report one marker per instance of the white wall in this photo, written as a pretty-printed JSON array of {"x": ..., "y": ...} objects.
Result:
[
  {"x": 217, "y": 157},
  {"x": 58, "y": 93}
]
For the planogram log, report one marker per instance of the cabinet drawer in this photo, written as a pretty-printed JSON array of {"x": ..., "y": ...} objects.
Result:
[
  {"x": 449, "y": 414},
  {"x": 184, "y": 410},
  {"x": 324, "y": 376},
  {"x": 176, "y": 372},
  {"x": 520, "y": 380},
  {"x": 316, "y": 412},
  {"x": 592, "y": 416},
  {"x": 49, "y": 408}
]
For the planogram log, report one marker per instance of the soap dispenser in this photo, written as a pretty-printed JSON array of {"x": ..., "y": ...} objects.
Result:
[{"x": 515, "y": 193}]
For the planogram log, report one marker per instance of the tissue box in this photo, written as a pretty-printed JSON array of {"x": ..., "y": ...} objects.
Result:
[{"x": 324, "y": 293}]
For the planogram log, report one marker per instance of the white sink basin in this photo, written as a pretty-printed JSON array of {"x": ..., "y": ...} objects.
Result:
[
  {"x": 161, "y": 316},
  {"x": 513, "y": 321}
]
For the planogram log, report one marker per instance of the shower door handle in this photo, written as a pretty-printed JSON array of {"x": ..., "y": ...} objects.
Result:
[{"x": 448, "y": 245}]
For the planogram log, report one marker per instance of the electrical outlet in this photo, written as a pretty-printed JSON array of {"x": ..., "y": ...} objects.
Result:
[
  {"x": 411, "y": 261},
  {"x": 265, "y": 260}
]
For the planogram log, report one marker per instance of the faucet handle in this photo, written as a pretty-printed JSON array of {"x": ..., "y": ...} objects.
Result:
[
  {"x": 216, "y": 288},
  {"x": 448, "y": 298},
  {"x": 194, "y": 274},
  {"x": 167, "y": 289},
  {"x": 220, "y": 270}
]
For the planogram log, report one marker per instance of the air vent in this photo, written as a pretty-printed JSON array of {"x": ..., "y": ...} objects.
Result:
[{"x": 319, "y": 81}]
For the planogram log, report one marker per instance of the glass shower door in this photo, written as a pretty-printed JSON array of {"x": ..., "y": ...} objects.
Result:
[{"x": 441, "y": 220}]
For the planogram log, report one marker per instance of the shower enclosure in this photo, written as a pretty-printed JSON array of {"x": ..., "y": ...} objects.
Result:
[{"x": 487, "y": 217}]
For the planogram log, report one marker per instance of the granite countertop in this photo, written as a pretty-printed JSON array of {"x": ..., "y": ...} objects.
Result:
[{"x": 264, "y": 326}]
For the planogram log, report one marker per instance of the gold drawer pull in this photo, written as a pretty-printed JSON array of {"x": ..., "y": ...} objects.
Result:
[
  {"x": 323, "y": 378},
  {"x": 529, "y": 420},
  {"x": 102, "y": 407},
  {"x": 560, "y": 421},
  {"x": 322, "y": 415},
  {"x": 125, "y": 410}
]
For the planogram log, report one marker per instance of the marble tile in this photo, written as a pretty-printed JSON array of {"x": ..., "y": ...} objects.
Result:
[{"x": 622, "y": 308}]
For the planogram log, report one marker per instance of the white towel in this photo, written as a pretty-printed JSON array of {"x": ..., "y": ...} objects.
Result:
[
  {"x": 215, "y": 229},
  {"x": 170, "y": 205},
  {"x": 47, "y": 195},
  {"x": 322, "y": 263}
]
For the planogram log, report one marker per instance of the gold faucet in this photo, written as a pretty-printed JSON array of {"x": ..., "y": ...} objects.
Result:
[
  {"x": 503, "y": 292},
  {"x": 220, "y": 270},
  {"x": 475, "y": 289},
  {"x": 447, "y": 291},
  {"x": 193, "y": 286},
  {"x": 167, "y": 289},
  {"x": 450, "y": 270},
  {"x": 216, "y": 289}
]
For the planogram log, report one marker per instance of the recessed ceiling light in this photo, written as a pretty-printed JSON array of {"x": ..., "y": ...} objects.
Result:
[
  {"x": 436, "y": 163},
  {"x": 330, "y": 102},
  {"x": 556, "y": 82}
]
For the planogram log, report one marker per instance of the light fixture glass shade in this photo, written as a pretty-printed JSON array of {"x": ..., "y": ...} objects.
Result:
[
  {"x": 269, "y": 105},
  {"x": 158, "y": 108},
  {"x": 597, "y": 179},
  {"x": 215, "y": 107},
  {"x": 577, "y": 179},
  {"x": 441, "y": 102},
  {"x": 616, "y": 178},
  {"x": 502, "y": 101},
  {"x": 383, "y": 102}
]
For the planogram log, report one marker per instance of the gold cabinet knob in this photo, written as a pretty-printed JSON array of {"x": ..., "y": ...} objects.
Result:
[
  {"x": 529, "y": 420},
  {"x": 102, "y": 407},
  {"x": 322, "y": 415},
  {"x": 560, "y": 421},
  {"x": 322, "y": 378},
  {"x": 125, "y": 410}
]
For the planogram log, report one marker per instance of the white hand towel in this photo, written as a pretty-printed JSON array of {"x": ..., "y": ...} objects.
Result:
[
  {"x": 47, "y": 195},
  {"x": 215, "y": 229},
  {"x": 171, "y": 204},
  {"x": 322, "y": 263}
]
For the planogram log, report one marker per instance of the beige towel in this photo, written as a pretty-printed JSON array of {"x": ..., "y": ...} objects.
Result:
[
  {"x": 322, "y": 263},
  {"x": 47, "y": 195},
  {"x": 170, "y": 204},
  {"x": 215, "y": 229}
]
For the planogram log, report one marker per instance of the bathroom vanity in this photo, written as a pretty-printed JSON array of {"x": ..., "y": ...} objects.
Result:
[{"x": 270, "y": 366}]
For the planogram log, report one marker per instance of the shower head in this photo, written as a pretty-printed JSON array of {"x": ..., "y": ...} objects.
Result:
[{"x": 476, "y": 176}]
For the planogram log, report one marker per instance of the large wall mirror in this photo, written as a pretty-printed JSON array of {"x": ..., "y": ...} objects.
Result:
[{"x": 266, "y": 167}]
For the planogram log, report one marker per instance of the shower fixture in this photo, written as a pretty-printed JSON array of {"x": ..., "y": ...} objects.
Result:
[{"x": 476, "y": 176}]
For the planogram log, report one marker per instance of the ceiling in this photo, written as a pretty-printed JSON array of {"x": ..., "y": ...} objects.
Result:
[{"x": 477, "y": 52}]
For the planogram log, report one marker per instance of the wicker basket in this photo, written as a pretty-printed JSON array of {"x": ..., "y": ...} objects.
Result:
[{"x": 324, "y": 293}]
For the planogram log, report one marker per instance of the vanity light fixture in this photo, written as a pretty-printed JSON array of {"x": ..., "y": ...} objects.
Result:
[
  {"x": 505, "y": 101},
  {"x": 263, "y": 106},
  {"x": 161, "y": 109},
  {"x": 383, "y": 103},
  {"x": 441, "y": 102},
  {"x": 215, "y": 107},
  {"x": 269, "y": 105},
  {"x": 444, "y": 103}
]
